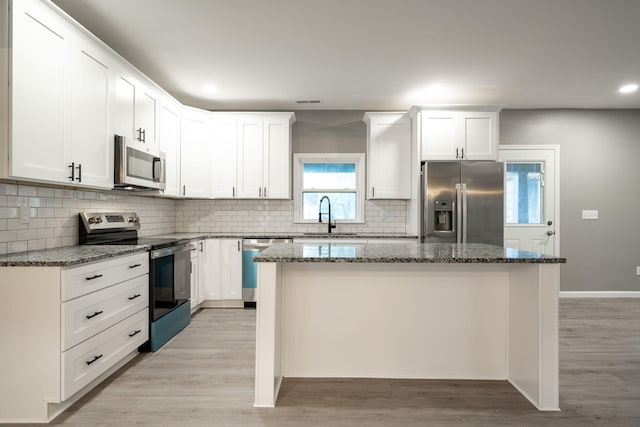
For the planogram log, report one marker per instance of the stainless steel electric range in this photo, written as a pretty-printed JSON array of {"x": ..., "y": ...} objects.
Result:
[{"x": 169, "y": 270}]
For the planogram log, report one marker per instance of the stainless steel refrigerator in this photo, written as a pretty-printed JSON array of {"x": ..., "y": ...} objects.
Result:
[{"x": 462, "y": 202}]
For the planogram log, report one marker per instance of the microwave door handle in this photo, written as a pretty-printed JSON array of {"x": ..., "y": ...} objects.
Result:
[{"x": 157, "y": 169}]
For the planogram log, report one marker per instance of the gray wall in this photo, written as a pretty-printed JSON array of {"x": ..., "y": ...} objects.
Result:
[
  {"x": 325, "y": 131},
  {"x": 599, "y": 169}
]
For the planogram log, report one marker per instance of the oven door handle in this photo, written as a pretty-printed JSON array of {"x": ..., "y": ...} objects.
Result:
[{"x": 160, "y": 253}]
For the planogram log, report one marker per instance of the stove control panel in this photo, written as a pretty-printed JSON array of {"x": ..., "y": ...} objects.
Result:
[{"x": 109, "y": 221}]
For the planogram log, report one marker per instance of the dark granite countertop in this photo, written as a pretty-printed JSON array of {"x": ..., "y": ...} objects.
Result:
[
  {"x": 452, "y": 253},
  {"x": 68, "y": 256},
  {"x": 314, "y": 236}
]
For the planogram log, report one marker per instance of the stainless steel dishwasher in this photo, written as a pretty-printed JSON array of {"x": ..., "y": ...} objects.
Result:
[{"x": 250, "y": 248}]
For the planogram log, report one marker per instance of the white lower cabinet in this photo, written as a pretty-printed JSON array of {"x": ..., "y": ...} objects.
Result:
[
  {"x": 195, "y": 284},
  {"x": 73, "y": 327},
  {"x": 221, "y": 280}
]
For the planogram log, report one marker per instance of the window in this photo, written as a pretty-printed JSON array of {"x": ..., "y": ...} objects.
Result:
[
  {"x": 340, "y": 177},
  {"x": 524, "y": 193}
]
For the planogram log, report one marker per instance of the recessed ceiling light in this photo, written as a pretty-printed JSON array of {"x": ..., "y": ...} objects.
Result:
[
  {"x": 630, "y": 88},
  {"x": 209, "y": 88}
]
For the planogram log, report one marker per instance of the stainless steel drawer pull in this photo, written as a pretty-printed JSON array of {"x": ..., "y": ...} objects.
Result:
[
  {"x": 134, "y": 297},
  {"x": 91, "y": 316},
  {"x": 94, "y": 359},
  {"x": 135, "y": 265},
  {"x": 134, "y": 333},
  {"x": 93, "y": 277}
]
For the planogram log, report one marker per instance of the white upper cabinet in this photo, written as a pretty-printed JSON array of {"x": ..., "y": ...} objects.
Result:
[
  {"x": 225, "y": 147},
  {"x": 60, "y": 101},
  {"x": 250, "y": 146},
  {"x": 276, "y": 162},
  {"x": 388, "y": 155},
  {"x": 252, "y": 155},
  {"x": 90, "y": 141},
  {"x": 169, "y": 142},
  {"x": 459, "y": 135},
  {"x": 41, "y": 61},
  {"x": 135, "y": 112},
  {"x": 196, "y": 157}
]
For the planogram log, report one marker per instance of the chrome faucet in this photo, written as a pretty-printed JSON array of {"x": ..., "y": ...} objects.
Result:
[{"x": 320, "y": 213}]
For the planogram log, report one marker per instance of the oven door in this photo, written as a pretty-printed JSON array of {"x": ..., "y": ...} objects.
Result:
[{"x": 169, "y": 279}]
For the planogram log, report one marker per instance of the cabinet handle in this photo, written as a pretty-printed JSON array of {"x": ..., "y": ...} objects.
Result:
[
  {"x": 373, "y": 191},
  {"x": 94, "y": 359},
  {"x": 133, "y": 334},
  {"x": 457, "y": 155},
  {"x": 139, "y": 137},
  {"x": 233, "y": 191},
  {"x": 184, "y": 190},
  {"x": 135, "y": 265},
  {"x": 144, "y": 135},
  {"x": 259, "y": 191},
  {"x": 72, "y": 166},
  {"x": 79, "y": 178},
  {"x": 134, "y": 297},
  {"x": 91, "y": 316},
  {"x": 462, "y": 150},
  {"x": 265, "y": 192},
  {"x": 238, "y": 245},
  {"x": 93, "y": 277},
  {"x": 201, "y": 246}
]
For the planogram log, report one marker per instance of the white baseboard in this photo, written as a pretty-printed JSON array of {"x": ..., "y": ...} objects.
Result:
[{"x": 600, "y": 294}]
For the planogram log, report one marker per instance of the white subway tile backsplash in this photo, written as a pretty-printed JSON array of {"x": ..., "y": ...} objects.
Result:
[{"x": 54, "y": 216}]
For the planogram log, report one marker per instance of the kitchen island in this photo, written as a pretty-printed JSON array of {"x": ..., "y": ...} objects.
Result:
[{"x": 408, "y": 310}]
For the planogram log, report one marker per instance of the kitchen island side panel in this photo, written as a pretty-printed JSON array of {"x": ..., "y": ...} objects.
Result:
[{"x": 395, "y": 320}]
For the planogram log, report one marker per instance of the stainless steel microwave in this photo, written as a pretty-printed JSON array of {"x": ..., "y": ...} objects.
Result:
[{"x": 137, "y": 170}]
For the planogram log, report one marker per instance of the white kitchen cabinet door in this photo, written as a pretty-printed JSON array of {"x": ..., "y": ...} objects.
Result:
[
  {"x": 124, "y": 106},
  {"x": 209, "y": 269},
  {"x": 276, "y": 166},
  {"x": 195, "y": 280},
  {"x": 41, "y": 57},
  {"x": 230, "y": 269},
  {"x": 90, "y": 146},
  {"x": 250, "y": 156},
  {"x": 195, "y": 153},
  {"x": 440, "y": 134},
  {"x": 169, "y": 144},
  {"x": 388, "y": 156},
  {"x": 146, "y": 110},
  {"x": 225, "y": 146},
  {"x": 480, "y": 135}
]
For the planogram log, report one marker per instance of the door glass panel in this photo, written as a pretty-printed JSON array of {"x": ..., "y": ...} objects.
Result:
[{"x": 523, "y": 193}]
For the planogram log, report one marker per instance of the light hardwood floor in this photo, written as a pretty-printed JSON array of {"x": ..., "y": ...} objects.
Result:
[{"x": 205, "y": 377}]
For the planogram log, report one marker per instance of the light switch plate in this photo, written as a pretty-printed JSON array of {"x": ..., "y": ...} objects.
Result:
[
  {"x": 590, "y": 214},
  {"x": 638, "y": 271}
]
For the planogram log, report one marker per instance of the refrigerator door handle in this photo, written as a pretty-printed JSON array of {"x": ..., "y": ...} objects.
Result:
[
  {"x": 465, "y": 222},
  {"x": 459, "y": 208}
]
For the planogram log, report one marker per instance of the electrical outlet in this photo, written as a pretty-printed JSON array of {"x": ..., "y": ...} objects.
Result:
[
  {"x": 590, "y": 214},
  {"x": 638, "y": 271},
  {"x": 24, "y": 210}
]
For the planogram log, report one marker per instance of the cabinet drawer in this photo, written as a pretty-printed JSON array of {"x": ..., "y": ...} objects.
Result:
[
  {"x": 92, "y": 277},
  {"x": 86, "y": 316},
  {"x": 85, "y": 362}
]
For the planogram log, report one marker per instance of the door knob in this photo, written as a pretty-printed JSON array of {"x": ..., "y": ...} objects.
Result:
[{"x": 550, "y": 233}]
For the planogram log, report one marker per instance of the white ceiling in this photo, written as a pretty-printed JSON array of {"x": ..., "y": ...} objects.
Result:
[{"x": 377, "y": 54}]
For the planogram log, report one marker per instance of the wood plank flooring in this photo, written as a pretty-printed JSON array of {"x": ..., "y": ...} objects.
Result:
[{"x": 205, "y": 377}]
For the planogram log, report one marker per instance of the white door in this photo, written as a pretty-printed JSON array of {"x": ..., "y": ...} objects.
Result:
[
  {"x": 195, "y": 153},
  {"x": 531, "y": 197},
  {"x": 231, "y": 269},
  {"x": 41, "y": 61},
  {"x": 145, "y": 118},
  {"x": 276, "y": 165},
  {"x": 225, "y": 148},
  {"x": 169, "y": 133},
  {"x": 90, "y": 144},
  {"x": 250, "y": 137}
]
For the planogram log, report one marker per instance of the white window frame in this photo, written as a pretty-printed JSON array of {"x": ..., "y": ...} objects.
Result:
[{"x": 299, "y": 159}]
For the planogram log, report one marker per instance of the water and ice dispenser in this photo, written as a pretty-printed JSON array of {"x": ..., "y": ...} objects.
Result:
[{"x": 443, "y": 215}]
